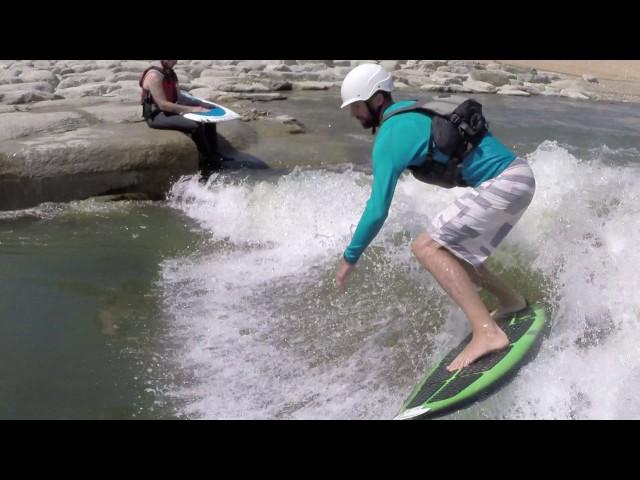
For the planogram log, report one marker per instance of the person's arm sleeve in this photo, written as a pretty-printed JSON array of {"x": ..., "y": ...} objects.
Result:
[{"x": 385, "y": 179}]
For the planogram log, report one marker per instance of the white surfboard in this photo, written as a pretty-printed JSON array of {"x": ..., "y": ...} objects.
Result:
[{"x": 218, "y": 113}]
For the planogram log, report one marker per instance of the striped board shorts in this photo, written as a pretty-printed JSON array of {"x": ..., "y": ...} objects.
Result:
[{"x": 473, "y": 226}]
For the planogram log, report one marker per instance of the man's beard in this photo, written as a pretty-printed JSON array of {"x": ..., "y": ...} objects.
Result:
[
  {"x": 367, "y": 123},
  {"x": 372, "y": 120}
]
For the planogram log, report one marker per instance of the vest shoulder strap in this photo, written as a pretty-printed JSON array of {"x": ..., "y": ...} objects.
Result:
[{"x": 442, "y": 105}]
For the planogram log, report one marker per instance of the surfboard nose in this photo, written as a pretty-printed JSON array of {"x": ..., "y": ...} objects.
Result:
[{"x": 412, "y": 413}]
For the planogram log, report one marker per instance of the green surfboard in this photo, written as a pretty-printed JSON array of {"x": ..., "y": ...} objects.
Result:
[{"x": 441, "y": 391}]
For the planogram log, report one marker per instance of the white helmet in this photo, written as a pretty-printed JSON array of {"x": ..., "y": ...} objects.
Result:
[{"x": 363, "y": 81}]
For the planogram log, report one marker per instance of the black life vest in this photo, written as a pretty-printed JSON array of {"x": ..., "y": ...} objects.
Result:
[
  {"x": 457, "y": 126},
  {"x": 169, "y": 86}
]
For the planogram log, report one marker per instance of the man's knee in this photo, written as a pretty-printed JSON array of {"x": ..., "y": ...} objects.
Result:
[{"x": 423, "y": 247}]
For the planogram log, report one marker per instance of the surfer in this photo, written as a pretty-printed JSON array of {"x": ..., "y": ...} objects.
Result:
[
  {"x": 463, "y": 235},
  {"x": 162, "y": 103}
]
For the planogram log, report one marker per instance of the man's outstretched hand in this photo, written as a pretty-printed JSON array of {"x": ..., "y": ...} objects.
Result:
[{"x": 344, "y": 270}]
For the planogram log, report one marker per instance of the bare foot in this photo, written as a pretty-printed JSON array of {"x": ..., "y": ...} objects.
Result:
[
  {"x": 491, "y": 340},
  {"x": 504, "y": 310}
]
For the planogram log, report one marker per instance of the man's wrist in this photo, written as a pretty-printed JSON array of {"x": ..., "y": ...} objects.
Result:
[{"x": 344, "y": 257}]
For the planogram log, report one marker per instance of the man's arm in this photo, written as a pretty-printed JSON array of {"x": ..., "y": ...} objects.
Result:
[
  {"x": 192, "y": 101},
  {"x": 374, "y": 216},
  {"x": 385, "y": 179}
]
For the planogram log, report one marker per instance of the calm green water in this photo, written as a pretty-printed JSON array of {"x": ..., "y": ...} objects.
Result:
[{"x": 80, "y": 335}]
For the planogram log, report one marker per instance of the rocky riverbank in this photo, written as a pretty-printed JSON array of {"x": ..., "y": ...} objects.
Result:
[{"x": 73, "y": 129}]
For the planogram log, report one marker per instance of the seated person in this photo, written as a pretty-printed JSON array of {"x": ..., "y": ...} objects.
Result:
[{"x": 162, "y": 104}]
